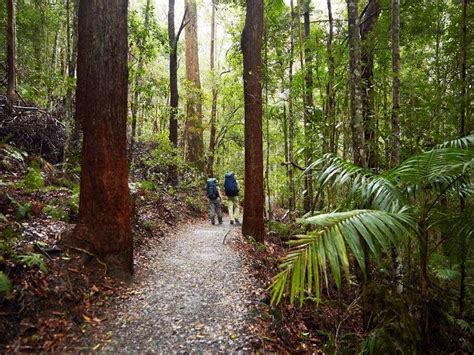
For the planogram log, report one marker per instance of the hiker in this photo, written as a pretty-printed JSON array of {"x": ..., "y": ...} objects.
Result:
[
  {"x": 231, "y": 188},
  {"x": 214, "y": 196}
]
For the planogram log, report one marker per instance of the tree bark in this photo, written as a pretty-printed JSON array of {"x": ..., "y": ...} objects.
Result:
[
  {"x": 395, "y": 119},
  {"x": 330, "y": 93},
  {"x": 308, "y": 107},
  {"x": 138, "y": 82},
  {"x": 291, "y": 118},
  {"x": 253, "y": 222},
  {"x": 357, "y": 123},
  {"x": 370, "y": 19},
  {"x": 104, "y": 209},
  {"x": 72, "y": 146},
  {"x": 194, "y": 129},
  {"x": 11, "y": 52},
  {"x": 212, "y": 138},
  {"x": 462, "y": 133}
]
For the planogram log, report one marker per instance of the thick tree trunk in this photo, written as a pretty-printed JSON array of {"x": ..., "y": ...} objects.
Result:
[
  {"x": 331, "y": 95},
  {"x": 395, "y": 120},
  {"x": 370, "y": 19},
  {"x": 104, "y": 210},
  {"x": 308, "y": 107},
  {"x": 212, "y": 138},
  {"x": 357, "y": 123},
  {"x": 253, "y": 222},
  {"x": 11, "y": 52},
  {"x": 194, "y": 130}
]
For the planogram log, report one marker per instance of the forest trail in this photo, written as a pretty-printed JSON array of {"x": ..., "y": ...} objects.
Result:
[{"x": 192, "y": 294}]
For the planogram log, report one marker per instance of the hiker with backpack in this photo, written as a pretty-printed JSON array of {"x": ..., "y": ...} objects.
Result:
[
  {"x": 214, "y": 196},
  {"x": 231, "y": 188}
]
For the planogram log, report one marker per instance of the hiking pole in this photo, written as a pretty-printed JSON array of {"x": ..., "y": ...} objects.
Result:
[{"x": 223, "y": 242}]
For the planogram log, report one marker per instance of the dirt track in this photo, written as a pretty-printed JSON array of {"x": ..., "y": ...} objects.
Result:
[{"x": 192, "y": 294}]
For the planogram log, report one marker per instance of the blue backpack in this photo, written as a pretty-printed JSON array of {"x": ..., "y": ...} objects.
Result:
[
  {"x": 230, "y": 185},
  {"x": 212, "y": 192}
]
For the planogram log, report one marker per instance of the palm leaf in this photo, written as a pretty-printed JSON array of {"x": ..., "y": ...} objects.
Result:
[
  {"x": 328, "y": 245},
  {"x": 376, "y": 191}
]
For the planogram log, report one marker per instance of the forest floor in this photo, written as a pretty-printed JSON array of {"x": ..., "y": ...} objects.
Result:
[{"x": 191, "y": 292}]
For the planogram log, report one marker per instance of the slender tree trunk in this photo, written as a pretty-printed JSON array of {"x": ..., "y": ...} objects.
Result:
[
  {"x": 174, "y": 95},
  {"x": 267, "y": 129},
  {"x": 464, "y": 98},
  {"x": 370, "y": 19},
  {"x": 104, "y": 227},
  {"x": 462, "y": 133},
  {"x": 331, "y": 95},
  {"x": 308, "y": 107},
  {"x": 357, "y": 123},
  {"x": 291, "y": 118},
  {"x": 395, "y": 120},
  {"x": 72, "y": 146},
  {"x": 138, "y": 83},
  {"x": 11, "y": 52},
  {"x": 194, "y": 130},
  {"x": 212, "y": 138},
  {"x": 253, "y": 222}
]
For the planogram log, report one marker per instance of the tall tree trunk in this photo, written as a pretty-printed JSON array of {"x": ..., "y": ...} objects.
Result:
[
  {"x": 11, "y": 52},
  {"x": 72, "y": 146},
  {"x": 104, "y": 209},
  {"x": 308, "y": 107},
  {"x": 267, "y": 133},
  {"x": 395, "y": 120},
  {"x": 370, "y": 19},
  {"x": 357, "y": 123},
  {"x": 194, "y": 130},
  {"x": 253, "y": 222},
  {"x": 331, "y": 95},
  {"x": 138, "y": 82},
  {"x": 291, "y": 118},
  {"x": 212, "y": 138},
  {"x": 174, "y": 95},
  {"x": 462, "y": 133}
]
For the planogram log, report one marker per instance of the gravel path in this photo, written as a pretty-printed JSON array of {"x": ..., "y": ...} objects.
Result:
[{"x": 194, "y": 296}]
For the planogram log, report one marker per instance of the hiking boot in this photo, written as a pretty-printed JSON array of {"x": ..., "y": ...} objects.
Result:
[
  {"x": 231, "y": 222},
  {"x": 237, "y": 221},
  {"x": 213, "y": 221},
  {"x": 220, "y": 220}
]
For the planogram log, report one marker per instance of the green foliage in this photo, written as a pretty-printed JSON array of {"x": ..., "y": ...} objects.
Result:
[
  {"x": 74, "y": 202},
  {"x": 5, "y": 284},
  {"x": 33, "y": 260},
  {"x": 147, "y": 185},
  {"x": 430, "y": 174},
  {"x": 8, "y": 238},
  {"x": 22, "y": 209},
  {"x": 56, "y": 212},
  {"x": 34, "y": 179},
  {"x": 328, "y": 245}
]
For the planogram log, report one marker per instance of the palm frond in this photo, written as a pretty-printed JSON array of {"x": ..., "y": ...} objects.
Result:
[
  {"x": 464, "y": 142},
  {"x": 328, "y": 245},
  {"x": 436, "y": 169},
  {"x": 376, "y": 191}
]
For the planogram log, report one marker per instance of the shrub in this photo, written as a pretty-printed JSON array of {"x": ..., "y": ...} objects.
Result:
[
  {"x": 5, "y": 284},
  {"x": 56, "y": 212},
  {"x": 34, "y": 179}
]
